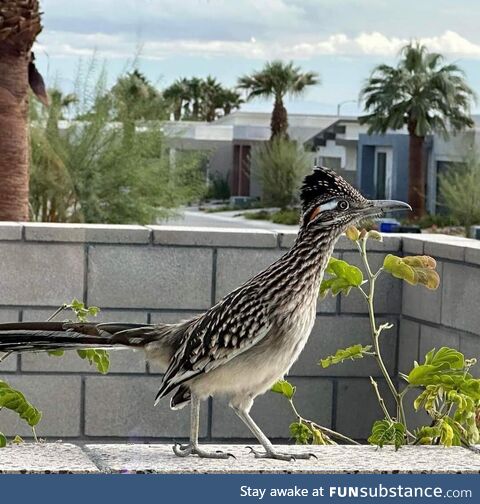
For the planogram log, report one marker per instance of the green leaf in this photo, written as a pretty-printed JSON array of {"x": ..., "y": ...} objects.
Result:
[
  {"x": 3, "y": 440},
  {"x": 353, "y": 352},
  {"x": 99, "y": 358},
  {"x": 413, "y": 269},
  {"x": 18, "y": 440},
  {"x": 317, "y": 436},
  {"x": 285, "y": 388},
  {"x": 352, "y": 233},
  {"x": 427, "y": 434},
  {"x": 301, "y": 433},
  {"x": 387, "y": 432},
  {"x": 82, "y": 312},
  {"x": 444, "y": 366},
  {"x": 14, "y": 400},
  {"x": 344, "y": 277}
]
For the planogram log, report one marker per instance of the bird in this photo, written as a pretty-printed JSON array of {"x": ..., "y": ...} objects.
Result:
[{"x": 246, "y": 342}]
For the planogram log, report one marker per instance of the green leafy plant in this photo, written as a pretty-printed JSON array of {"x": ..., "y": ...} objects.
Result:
[
  {"x": 14, "y": 400},
  {"x": 446, "y": 389},
  {"x": 97, "y": 357}
]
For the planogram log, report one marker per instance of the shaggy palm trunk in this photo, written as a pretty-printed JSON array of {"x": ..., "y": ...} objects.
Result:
[
  {"x": 14, "y": 151},
  {"x": 279, "y": 121},
  {"x": 19, "y": 26},
  {"x": 416, "y": 175}
]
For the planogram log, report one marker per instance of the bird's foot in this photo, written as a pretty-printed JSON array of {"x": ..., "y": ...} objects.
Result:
[
  {"x": 190, "y": 449},
  {"x": 273, "y": 454}
]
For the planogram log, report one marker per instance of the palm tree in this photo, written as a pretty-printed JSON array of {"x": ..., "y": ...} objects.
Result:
[
  {"x": 19, "y": 26},
  {"x": 176, "y": 94},
  {"x": 276, "y": 80},
  {"x": 230, "y": 100},
  {"x": 211, "y": 96},
  {"x": 426, "y": 95}
]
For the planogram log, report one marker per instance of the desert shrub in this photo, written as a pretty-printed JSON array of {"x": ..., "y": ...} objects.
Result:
[
  {"x": 280, "y": 166},
  {"x": 460, "y": 191}
]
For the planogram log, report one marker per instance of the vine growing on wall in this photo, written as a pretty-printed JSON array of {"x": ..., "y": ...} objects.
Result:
[
  {"x": 15, "y": 401},
  {"x": 445, "y": 388}
]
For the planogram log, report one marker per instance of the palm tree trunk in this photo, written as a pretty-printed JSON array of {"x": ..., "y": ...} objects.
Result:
[
  {"x": 279, "y": 121},
  {"x": 14, "y": 148},
  {"x": 416, "y": 175}
]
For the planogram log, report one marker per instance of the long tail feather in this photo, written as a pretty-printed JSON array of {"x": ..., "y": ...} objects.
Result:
[{"x": 38, "y": 336}]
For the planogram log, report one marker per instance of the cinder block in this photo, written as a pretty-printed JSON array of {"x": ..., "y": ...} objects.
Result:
[
  {"x": 390, "y": 243},
  {"x": 213, "y": 237},
  {"x": 313, "y": 400},
  {"x": 408, "y": 344},
  {"x": 287, "y": 238},
  {"x": 10, "y": 230},
  {"x": 40, "y": 274},
  {"x": 421, "y": 303},
  {"x": 10, "y": 362},
  {"x": 123, "y": 406},
  {"x": 472, "y": 252},
  {"x": 57, "y": 397},
  {"x": 358, "y": 408},
  {"x": 413, "y": 244},
  {"x": 332, "y": 333},
  {"x": 149, "y": 277},
  {"x": 388, "y": 290},
  {"x": 451, "y": 249},
  {"x": 234, "y": 267},
  {"x": 121, "y": 361},
  {"x": 460, "y": 297},
  {"x": 470, "y": 347},
  {"x": 93, "y": 233},
  {"x": 435, "y": 337}
]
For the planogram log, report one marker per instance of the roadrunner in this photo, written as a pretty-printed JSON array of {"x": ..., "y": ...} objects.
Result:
[{"x": 247, "y": 341}]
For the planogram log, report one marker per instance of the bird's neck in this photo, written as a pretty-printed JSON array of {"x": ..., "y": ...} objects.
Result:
[{"x": 308, "y": 258}]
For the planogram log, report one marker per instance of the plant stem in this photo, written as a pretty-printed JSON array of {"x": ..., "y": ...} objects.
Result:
[
  {"x": 57, "y": 311},
  {"x": 376, "y": 331},
  {"x": 4, "y": 356},
  {"x": 321, "y": 427},
  {"x": 380, "y": 399}
]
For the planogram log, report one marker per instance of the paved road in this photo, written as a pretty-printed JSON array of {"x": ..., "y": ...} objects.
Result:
[{"x": 232, "y": 219}]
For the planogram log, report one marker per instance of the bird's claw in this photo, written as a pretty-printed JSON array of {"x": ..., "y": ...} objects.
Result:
[
  {"x": 288, "y": 457},
  {"x": 190, "y": 449}
]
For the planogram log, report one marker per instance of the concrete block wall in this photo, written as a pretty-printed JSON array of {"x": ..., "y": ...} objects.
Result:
[{"x": 152, "y": 274}]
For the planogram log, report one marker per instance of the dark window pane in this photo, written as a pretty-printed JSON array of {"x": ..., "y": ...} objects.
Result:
[{"x": 381, "y": 174}]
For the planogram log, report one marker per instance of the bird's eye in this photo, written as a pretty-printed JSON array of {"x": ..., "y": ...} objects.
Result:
[{"x": 343, "y": 205}]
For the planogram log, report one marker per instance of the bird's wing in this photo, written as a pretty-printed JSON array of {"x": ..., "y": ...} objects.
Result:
[{"x": 224, "y": 332}]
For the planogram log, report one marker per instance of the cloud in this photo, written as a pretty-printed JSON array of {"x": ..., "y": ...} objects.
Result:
[{"x": 65, "y": 44}]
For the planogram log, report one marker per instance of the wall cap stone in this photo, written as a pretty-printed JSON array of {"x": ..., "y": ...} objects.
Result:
[{"x": 214, "y": 237}]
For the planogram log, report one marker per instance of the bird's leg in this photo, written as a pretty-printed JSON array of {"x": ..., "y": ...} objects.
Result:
[
  {"x": 192, "y": 447},
  {"x": 270, "y": 450}
]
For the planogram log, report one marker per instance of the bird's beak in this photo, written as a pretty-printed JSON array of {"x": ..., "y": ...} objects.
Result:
[
  {"x": 390, "y": 205},
  {"x": 377, "y": 207}
]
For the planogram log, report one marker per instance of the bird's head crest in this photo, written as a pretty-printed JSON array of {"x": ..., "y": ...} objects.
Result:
[{"x": 328, "y": 200}]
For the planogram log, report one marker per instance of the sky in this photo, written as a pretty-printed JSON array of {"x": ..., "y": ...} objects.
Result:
[{"x": 342, "y": 40}]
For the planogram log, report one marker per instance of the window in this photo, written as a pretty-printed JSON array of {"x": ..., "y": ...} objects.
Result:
[{"x": 381, "y": 175}]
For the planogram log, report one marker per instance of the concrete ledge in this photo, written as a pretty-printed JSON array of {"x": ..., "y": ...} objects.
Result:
[
  {"x": 159, "y": 458},
  {"x": 44, "y": 458},
  {"x": 92, "y": 233},
  {"x": 213, "y": 237}
]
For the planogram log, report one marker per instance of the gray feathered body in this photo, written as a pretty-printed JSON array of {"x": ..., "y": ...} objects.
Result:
[{"x": 252, "y": 337}]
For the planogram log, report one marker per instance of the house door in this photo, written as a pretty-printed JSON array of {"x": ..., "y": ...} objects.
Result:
[{"x": 383, "y": 173}]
